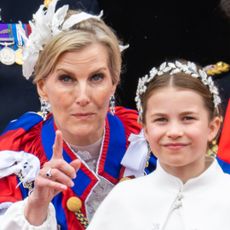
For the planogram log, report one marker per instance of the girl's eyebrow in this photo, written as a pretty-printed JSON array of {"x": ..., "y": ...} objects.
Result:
[
  {"x": 189, "y": 113},
  {"x": 158, "y": 114}
]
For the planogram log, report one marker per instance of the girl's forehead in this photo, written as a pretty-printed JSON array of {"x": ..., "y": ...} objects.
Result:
[
  {"x": 173, "y": 98},
  {"x": 170, "y": 90}
]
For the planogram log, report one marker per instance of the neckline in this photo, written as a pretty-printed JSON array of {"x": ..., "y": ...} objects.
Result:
[{"x": 87, "y": 152}]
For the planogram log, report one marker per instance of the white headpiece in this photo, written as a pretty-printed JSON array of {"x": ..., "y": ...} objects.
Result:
[
  {"x": 173, "y": 68},
  {"x": 47, "y": 23}
]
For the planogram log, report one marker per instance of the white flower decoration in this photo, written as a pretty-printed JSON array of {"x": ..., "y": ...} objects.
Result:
[{"x": 45, "y": 24}]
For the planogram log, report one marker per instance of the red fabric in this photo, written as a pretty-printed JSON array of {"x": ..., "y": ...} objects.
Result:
[
  {"x": 73, "y": 224},
  {"x": 104, "y": 151},
  {"x": 18, "y": 140},
  {"x": 8, "y": 191},
  {"x": 224, "y": 144},
  {"x": 129, "y": 119}
]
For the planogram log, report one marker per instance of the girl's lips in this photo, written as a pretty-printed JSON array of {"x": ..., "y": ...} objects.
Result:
[{"x": 175, "y": 145}]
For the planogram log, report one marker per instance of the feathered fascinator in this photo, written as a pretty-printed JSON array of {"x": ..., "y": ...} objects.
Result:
[{"x": 45, "y": 24}]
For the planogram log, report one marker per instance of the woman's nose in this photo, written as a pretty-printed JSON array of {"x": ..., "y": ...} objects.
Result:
[{"x": 82, "y": 95}]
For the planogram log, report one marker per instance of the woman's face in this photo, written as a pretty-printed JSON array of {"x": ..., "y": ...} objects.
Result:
[
  {"x": 79, "y": 90},
  {"x": 178, "y": 129}
]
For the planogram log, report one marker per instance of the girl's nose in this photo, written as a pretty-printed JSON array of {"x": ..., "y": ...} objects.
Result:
[{"x": 174, "y": 130}]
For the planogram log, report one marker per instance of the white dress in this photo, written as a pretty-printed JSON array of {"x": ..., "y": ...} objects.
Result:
[{"x": 160, "y": 201}]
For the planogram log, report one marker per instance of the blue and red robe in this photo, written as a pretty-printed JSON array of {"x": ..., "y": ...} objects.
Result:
[
  {"x": 223, "y": 155},
  {"x": 31, "y": 134}
]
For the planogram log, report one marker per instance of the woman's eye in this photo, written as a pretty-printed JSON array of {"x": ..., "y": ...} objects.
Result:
[
  {"x": 97, "y": 77},
  {"x": 65, "y": 78}
]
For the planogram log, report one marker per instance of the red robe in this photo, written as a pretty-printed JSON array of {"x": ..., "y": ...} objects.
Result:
[{"x": 31, "y": 134}]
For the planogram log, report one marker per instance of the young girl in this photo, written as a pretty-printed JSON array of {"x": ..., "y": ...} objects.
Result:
[{"x": 179, "y": 108}]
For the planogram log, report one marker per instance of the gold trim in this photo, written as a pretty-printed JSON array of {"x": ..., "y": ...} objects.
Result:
[{"x": 218, "y": 68}]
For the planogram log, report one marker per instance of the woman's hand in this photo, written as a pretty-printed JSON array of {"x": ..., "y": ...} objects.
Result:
[{"x": 55, "y": 176}]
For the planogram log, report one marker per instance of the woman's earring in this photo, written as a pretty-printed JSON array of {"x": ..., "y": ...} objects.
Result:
[
  {"x": 45, "y": 108},
  {"x": 112, "y": 105},
  {"x": 213, "y": 149}
]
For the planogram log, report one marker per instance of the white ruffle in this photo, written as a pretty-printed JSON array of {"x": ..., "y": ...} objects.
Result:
[{"x": 25, "y": 164}]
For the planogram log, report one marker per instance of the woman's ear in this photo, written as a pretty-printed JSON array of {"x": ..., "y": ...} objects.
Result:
[
  {"x": 114, "y": 87},
  {"x": 41, "y": 89},
  {"x": 214, "y": 127}
]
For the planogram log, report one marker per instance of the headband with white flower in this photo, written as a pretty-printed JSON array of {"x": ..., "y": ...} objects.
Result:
[
  {"x": 173, "y": 68},
  {"x": 47, "y": 23}
]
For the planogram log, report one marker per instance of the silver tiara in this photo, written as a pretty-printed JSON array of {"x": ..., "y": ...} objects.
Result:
[{"x": 173, "y": 68}]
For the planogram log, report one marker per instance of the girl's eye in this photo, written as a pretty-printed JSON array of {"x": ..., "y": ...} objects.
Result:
[
  {"x": 97, "y": 77},
  {"x": 188, "y": 118},
  {"x": 160, "y": 120},
  {"x": 65, "y": 78}
]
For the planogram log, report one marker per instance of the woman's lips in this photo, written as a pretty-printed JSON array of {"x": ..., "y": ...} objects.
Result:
[{"x": 83, "y": 115}]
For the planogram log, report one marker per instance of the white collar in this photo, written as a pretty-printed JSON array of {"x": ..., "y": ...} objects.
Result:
[{"x": 170, "y": 182}]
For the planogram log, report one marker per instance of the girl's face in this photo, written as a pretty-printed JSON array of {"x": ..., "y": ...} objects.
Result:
[
  {"x": 178, "y": 130},
  {"x": 79, "y": 90}
]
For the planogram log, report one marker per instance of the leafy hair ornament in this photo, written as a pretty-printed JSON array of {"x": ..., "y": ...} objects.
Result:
[{"x": 173, "y": 68}]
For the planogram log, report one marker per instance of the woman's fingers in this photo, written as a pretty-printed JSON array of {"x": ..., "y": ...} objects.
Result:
[
  {"x": 56, "y": 175},
  {"x": 76, "y": 164},
  {"x": 62, "y": 166},
  {"x": 57, "y": 160},
  {"x": 57, "y": 169},
  {"x": 58, "y": 146},
  {"x": 60, "y": 177},
  {"x": 43, "y": 182}
]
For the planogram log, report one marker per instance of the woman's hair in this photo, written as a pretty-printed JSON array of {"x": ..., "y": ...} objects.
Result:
[
  {"x": 180, "y": 80},
  {"x": 81, "y": 35}
]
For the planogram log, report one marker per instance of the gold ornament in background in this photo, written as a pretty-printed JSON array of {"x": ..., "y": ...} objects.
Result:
[
  {"x": 218, "y": 68},
  {"x": 18, "y": 56},
  {"x": 47, "y": 2}
]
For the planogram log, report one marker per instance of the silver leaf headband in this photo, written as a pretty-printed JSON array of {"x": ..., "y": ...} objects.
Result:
[
  {"x": 173, "y": 68},
  {"x": 47, "y": 23}
]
